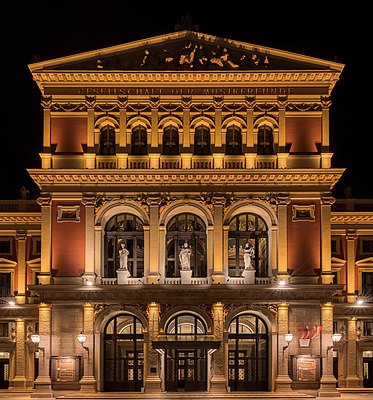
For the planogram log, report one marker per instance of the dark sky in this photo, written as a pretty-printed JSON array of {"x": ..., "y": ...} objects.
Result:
[{"x": 42, "y": 30}]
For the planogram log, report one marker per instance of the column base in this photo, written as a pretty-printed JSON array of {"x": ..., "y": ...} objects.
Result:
[
  {"x": 326, "y": 278},
  {"x": 153, "y": 384},
  {"x": 18, "y": 383},
  {"x": 353, "y": 381},
  {"x": 328, "y": 387},
  {"x": 153, "y": 279},
  {"x": 218, "y": 384},
  {"x": 283, "y": 383},
  {"x": 88, "y": 384}
]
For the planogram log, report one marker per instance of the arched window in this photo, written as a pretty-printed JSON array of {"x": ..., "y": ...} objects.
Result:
[
  {"x": 191, "y": 229},
  {"x": 265, "y": 140},
  {"x": 170, "y": 140},
  {"x": 139, "y": 141},
  {"x": 186, "y": 366},
  {"x": 248, "y": 353},
  {"x": 202, "y": 140},
  {"x": 252, "y": 229},
  {"x": 233, "y": 140},
  {"x": 127, "y": 229},
  {"x": 123, "y": 354},
  {"x": 107, "y": 140}
]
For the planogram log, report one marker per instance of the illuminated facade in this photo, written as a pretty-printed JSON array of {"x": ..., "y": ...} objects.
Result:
[{"x": 191, "y": 141}]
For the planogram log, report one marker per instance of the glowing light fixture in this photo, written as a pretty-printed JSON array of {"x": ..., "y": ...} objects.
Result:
[{"x": 81, "y": 339}]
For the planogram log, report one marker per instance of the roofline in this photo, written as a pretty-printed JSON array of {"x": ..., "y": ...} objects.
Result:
[{"x": 177, "y": 35}]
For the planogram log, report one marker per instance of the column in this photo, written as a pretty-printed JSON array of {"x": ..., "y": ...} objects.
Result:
[
  {"x": 328, "y": 383},
  {"x": 46, "y": 238},
  {"x": 351, "y": 238},
  {"x": 326, "y": 267},
  {"x": 250, "y": 101},
  {"x": 283, "y": 200},
  {"x": 282, "y": 102},
  {"x": 153, "y": 275},
  {"x": 218, "y": 120},
  {"x": 153, "y": 378},
  {"x": 325, "y": 104},
  {"x": 42, "y": 384},
  {"x": 186, "y": 102},
  {"x": 122, "y": 122},
  {"x": 89, "y": 202},
  {"x": 218, "y": 275},
  {"x": 352, "y": 379},
  {"x": 283, "y": 381},
  {"x": 88, "y": 381},
  {"x": 21, "y": 238},
  {"x": 218, "y": 380},
  {"x": 20, "y": 381},
  {"x": 90, "y": 156},
  {"x": 154, "y": 124}
]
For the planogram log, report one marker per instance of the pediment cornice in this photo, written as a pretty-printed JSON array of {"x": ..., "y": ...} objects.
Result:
[{"x": 125, "y": 179}]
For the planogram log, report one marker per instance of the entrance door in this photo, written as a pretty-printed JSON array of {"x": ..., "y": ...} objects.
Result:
[
  {"x": 186, "y": 370},
  {"x": 368, "y": 372},
  {"x": 248, "y": 354},
  {"x": 4, "y": 373}
]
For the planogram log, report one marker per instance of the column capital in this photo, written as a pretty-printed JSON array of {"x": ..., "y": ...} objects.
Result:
[
  {"x": 351, "y": 234},
  {"x": 45, "y": 199},
  {"x": 21, "y": 234},
  {"x": 283, "y": 199},
  {"x": 327, "y": 199},
  {"x": 89, "y": 199}
]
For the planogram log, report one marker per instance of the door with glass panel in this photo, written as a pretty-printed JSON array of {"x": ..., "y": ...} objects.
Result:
[
  {"x": 123, "y": 354},
  {"x": 186, "y": 369},
  {"x": 248, "y": 354}
]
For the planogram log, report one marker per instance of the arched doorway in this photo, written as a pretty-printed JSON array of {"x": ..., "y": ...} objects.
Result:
[
  {"x": 186, "y": 362},
  {"x": 248, "y": 353},
  {"x": 123, "y": 354}
]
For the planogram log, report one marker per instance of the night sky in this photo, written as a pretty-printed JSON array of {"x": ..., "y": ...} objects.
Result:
[{"x": 42, "y": 30}]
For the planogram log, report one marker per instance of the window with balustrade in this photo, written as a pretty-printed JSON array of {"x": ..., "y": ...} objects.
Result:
[
  {"x": 170, "y": 141},
  {"x": 127, "y": 229},
  {"x": 248, "y": 228},
  {"x": 233, "y": 140},
  {"x": 202, "y": 140},
  {"x": 139, "y": 145},
  {"x": 265, "y": 140},
  {"x": 107, "y": 141},
  {"x": 188, "y": 228}
]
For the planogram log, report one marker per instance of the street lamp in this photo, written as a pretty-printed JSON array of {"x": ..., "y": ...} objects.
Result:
[
  {"x": 36, "y": 340},
  {"x": 336, "y": 337},
  {"x": 288, "y": 338},
  {"x": 81, "y": 339}
]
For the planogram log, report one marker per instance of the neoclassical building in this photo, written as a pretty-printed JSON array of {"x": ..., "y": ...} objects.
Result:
[{"x": 186, "y": 143}]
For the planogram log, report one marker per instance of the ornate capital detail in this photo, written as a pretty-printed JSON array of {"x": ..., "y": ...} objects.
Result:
[
  {"x": 326, "y": 101},
  {"x": 218, "y": 101},
  {"x": 219, "y": 200},
  {"x": 303, "y": 107},
  {"x": 283, "y": 199},
  {"x": 89, "y": 200},
  {"x": 153, "y": 200},
  {"x": 46, "y": 102},
  {"x": 44, "y": 200},
  {"x": 69, "y": 107},
  {"x": 351, "y": 234},
  {"x": 21, "y": 235},
  {"x": 154, "y": 101},
  {"x": 90, "y": 101},
  {"x": 186, "y": 101},
  {"x": 98, "y": 308},
  {"x": 122, "y": 101},
  {"x": 282, "y": 101},
  {"x": 250, "y": 101},
  {"x": 327, "y": 199}
]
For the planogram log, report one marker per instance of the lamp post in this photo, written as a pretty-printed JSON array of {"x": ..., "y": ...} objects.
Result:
[
  {"x": 288, "y": 338},
  {"x": 81, "y": 339},
  {"x": 35, "y": 338},
  {"x": 336, "y": 337}
]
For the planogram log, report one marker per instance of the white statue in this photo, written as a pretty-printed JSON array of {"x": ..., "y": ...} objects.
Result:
[
  {"x": 248, "y": 254},
  {"x": 123, "y": 257},
  {"x": 184, "y": 257}
]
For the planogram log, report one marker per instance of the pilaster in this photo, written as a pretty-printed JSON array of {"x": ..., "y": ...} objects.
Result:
[
  {"x": 153, "y": 379},
  {"x": 153, "y": 275},
  {"x": 88, "y": 381},
  {"x": 351, "y": 238},
  {"x": 352, "y": 379},
  {"x": 46, "y": 238},
  {"x": 218, "y": 380},
  {"x": 21, "y": 237},
  {"x": 89, "y": 202},
  {"x": 218, "y": 275},
  {"x": 326, "y": 268},
  {"x": 283, "y": 381},
  {"x": 283, "y": 201},
  {"x": 19, "y": 381},
  {"x": 328, "y": 383}
]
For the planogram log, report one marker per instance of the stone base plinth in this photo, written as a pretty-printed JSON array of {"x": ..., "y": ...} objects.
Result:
[
  {"x": 328, "y": 387},
  {"x": 249, "y": 276},
  {"x": 218, "y": 384},
  {"x": 283, "y": 383},
  {"x": 153, "y": 384},
  {"x": 122, "y": 276},
  {"x": 88, "y": 384},
  {"x": 186, "y": 277}
]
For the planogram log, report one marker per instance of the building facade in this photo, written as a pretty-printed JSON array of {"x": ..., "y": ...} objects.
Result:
[{"x": 186, "y": 231}]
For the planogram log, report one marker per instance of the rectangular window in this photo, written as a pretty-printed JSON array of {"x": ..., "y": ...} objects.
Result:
[
  {"x": 368, "y": 328},
  {"x": 5, "y": 285},
  {"x": 367, "y": 246},
  {"x": 36, "y": 245},
  {"x": 336, "y": 245},
  {"x": 4, "y": 329},
  {"x": 6, "y": 246},
  {"x": 367, "y": 282}
]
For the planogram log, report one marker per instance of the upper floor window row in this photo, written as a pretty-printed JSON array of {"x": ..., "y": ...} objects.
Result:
[{"x": 171, "y": 140}]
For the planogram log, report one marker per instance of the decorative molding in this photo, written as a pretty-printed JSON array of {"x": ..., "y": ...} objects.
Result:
[
  {"x": 304, "y": 212},
  {"x": 351, "y": 218},
  {"x": 20, "y": 218},
  {"x": 68, "y": 213}
]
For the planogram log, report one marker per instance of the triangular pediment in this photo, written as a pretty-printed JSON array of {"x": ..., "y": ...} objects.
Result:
[
  {"x": 337, "y": 262},
  {"x": 186, "y": 51},
  {"x": 366, "y": 262},
  {"x": 5, "y": 263}
]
